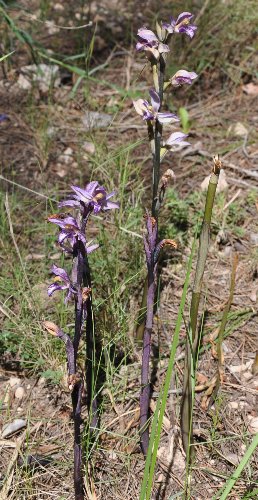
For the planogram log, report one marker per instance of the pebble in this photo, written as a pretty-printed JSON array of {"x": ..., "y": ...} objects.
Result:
[
  {"x": 254, "y": 238},
  {"x": 13, "y": 381},
  {"x": 233, "y": 405},
  {"x": 94, "y": 119},
  {"x": 253, "y": 425},
  {"x": 19, "y": 393},
  {"x": 14, "y": 426},
  {"x": 42, "y": 381},
  {"x": 88, "y": 147}
]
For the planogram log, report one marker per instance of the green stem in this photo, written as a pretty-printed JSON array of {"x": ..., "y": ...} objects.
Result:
[{"x": 193, "y": 342}]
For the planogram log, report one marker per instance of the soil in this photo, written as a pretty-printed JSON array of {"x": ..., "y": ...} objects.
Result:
[{"x": 223, "y": 429}]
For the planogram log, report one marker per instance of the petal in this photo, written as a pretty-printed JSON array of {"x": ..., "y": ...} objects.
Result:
[
  {"x": 110, "y": 195},
  {"x": 163, "y": 48},
  {"x": 167, "y": 117},
  {"x": 140, "y": 106},
  {"x": 147, "y": 35},
  {"x": 59, "y": 271},
  {"x": 82, "y": 194},
  {"x": 91, "y": 248},
  {"x": 175, "y": 138},
  {"x": 54, "y": 287},
  {"x": 182, "y": 76},
  {"x": 62, "y": 237},
  {"x": 69, "y": 203},
  {"x": 155, "y": 100},
  {"x": 140, "y": 46},
  {"x": 183, "y": 17},
  {"x": 111, "y": 204},
  {"x": 91, "y": 187}
]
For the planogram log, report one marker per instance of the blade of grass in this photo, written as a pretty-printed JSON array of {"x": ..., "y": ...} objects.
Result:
[
  {"x": 193, "y": 344},
  {"x": 161, "y": 403},
  {"x": 224, "y": 492},
  {"x": 6, "y": 55}
]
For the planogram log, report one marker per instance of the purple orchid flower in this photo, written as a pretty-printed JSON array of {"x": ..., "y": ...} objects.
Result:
[
  {"x": 175, "y": 138},
  {"x": 61, "y": 277},
  {"x": 150, "y": 43},
  {"x": 181, "y": 24},
  {"x": 182, "y": 77},
  {"x": 151, "y": 111},
  {"x": 69, "y": 229},
  {"x": 93, "y": 196}
]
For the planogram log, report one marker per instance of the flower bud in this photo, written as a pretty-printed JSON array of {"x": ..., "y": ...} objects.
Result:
[{"x": 51, "y": 328}]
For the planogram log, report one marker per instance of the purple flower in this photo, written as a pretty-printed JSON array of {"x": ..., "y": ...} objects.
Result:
[
  {"x": 175, "y": 138},
  {"x": 61, "y": 282},
  {"x": 93, "y": 196},
  {"x": 69, "y": 228},
  {"x": 181, "y": 24},
  {"x": 151, "y": 111},
  {"x": 183, "y": 77},
  {"x": 150, "y": 43}
]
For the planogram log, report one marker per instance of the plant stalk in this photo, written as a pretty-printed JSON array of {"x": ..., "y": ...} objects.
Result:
[
  {"x": 145, "y": 384},
  {"x": 192, "y": 343},
  {"x": 155, "y": 141}
]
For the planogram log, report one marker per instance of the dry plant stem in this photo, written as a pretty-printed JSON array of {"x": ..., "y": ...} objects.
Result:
[{"x": 192, "y": 345}]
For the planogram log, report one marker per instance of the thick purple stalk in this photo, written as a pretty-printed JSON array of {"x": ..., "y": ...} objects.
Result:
[
  {"x": 145, "y": 391},
  {"x": 79, "y": 280},
  {"x": 150, "y": 246}
]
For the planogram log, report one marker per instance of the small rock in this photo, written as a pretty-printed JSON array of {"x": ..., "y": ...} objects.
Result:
[
  {"x": 68, "y": 151},
  {"x": 250, "y": 89},
  {"x": 14, "y": 426},
  {"x": 253, "y": 425},
  {"x": 58, "y": 7},
  {"x": 233, "y": 458},
  {"x": 51, "y": 132},
  {"x": 222, "y": 183},
  {"x": 51, "y": 27},
  {"x": 237, "y": 130},
  {"x": 43, "y": 74},
  {"x": 89, "y": 147},
  {"x": 233, "y": 405},
  {"x": 24, "y": 83},
  {"x": 42, "y": 381},
  {"x": 13, "y": 381},
  {"x": 254, "y": 238},
  {"x": 94, "y": 119},
  {"x": 61, "y": 171},
  {"x": 19, "y": 393}
]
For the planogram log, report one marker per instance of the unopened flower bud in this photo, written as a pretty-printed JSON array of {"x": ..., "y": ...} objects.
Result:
[
  {"x": 217, "y": 165},
  {"x": 73, "y": 380},
  {"x": 86, "y": 291},
  {"x": 51, "y": 328}
]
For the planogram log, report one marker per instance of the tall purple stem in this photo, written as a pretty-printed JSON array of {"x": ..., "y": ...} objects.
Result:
[{"x": 150, "y": 245}]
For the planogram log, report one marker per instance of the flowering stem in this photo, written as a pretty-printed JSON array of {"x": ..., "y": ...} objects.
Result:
[{"x": 157, "y": 144}]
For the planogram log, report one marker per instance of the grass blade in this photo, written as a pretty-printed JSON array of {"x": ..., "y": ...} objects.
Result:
[{"x": 223, "y": 494}]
